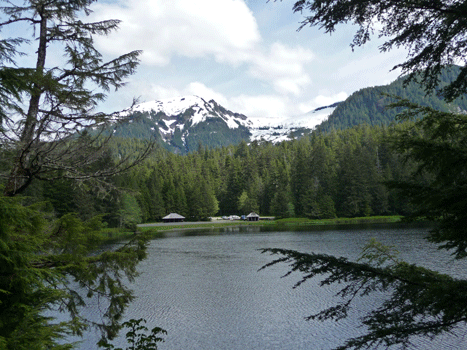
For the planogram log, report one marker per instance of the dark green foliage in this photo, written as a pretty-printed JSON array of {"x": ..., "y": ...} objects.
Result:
[
  {"x": 318, "y": 176},
  {"x": 39, "y": 256},
  {"x": 137, "y": 126},
  {"x": 432, "y": 31},
  {"x": 49, "y": 258},
  {"x": 234, "y": 186},
  {"x": 418, "y": 302},
  {"x": 150, "y": 199},
  {"x": 438, "y": 184},
  {"x": 42, "y": 124},
  {"x": 369, "y": 105},
  {"x": 215, "y": 133},
  {"x": 136, "y": 337}
]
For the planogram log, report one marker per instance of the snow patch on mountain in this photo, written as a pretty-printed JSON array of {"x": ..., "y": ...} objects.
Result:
[
  {"x": 179, "y": 115},
  {"x": 201, "y": 110},
  {"x": 278, "y": 130},
  {"x": 169, "y": 107}
]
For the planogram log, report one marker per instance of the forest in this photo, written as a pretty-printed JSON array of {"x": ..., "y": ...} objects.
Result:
[
  {"x": 62, "y": 185},
  {"x": 324, "y": 175},
  {"x": 368, "y": 105}
]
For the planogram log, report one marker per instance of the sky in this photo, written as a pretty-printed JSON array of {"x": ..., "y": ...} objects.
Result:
[{"x": 247, "y": 55}]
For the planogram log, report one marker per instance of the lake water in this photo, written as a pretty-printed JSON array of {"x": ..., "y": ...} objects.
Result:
[{"x": 205, "y": 289}]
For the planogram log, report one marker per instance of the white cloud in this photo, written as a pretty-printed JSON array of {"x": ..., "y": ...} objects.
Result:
[
  {"x": 255, "y": 107},
  {"x": 261, "y": 107},
  {"x": 158, "y": 92},
  {"x": 188, "y": 44},
  {"x": 369, "y": 69},
  {"x": 225, "y": 29},
  {"x": 152, "y": 92},
  {"x": 201, "y": 90},
  {"x": 321, "y": 101},
  {"x": 284, "y": 67}
]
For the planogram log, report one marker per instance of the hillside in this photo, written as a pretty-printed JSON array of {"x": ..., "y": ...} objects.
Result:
[
  {"x": 367, "y": 106},
  {"x": 181, "y": 124}
]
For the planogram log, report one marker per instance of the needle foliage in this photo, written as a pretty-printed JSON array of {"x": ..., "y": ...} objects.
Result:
[
  {"x": 433, "y": 32},
  {"x": 50, "y": 264},
  {"x": 416, "y": 301}
]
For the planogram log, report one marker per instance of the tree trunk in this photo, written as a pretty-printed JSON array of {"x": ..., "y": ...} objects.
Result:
[{"x": 22, "y": 171}]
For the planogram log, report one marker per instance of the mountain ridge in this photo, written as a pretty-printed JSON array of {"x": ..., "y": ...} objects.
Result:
[
  {"x": 182, "y": 123},
  {"x": 368, "y": 105}
]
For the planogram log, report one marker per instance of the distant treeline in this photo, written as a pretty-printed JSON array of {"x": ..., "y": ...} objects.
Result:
[{"x": 340, "y": 173}]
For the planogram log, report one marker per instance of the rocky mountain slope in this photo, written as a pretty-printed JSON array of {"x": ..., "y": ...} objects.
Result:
[{"x": 181, "y": 124}]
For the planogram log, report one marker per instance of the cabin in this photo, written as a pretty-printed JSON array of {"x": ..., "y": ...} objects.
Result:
[
  {"x": 252, "y": 217},
  {"x": 173, "y": 217}
]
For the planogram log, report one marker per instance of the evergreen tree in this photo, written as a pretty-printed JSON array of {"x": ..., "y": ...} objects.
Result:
[
  {"x": 150, "y": 197},
  {"x": 234, "y": 186},
  {"x": 417, "y": 301},
  {"x": 48, "y": 263},
  {"x": 129, "y": 212},
  {"x": 39, "y": 257},
  {"x": 438, "y": 184},
  {"x": 432, "y": 31},
  {"x": 55, "y": 104}
]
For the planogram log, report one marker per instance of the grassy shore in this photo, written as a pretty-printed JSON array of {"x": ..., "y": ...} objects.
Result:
[
  {"x": 155, "y": 230},
  {"x": 340, "y": 221},
  {"x": 111, "y": 234}
]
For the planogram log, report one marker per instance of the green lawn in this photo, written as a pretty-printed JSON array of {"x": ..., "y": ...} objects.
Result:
[
  {"x": 110, "y": 234},
  {"x": 281, "y": 222}
]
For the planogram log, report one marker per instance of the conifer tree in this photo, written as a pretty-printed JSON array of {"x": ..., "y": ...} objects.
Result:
[
  {"x": 432, "y": 31},
  {"x": 45, "y": 112},
  {"x": 52, "y": 106},
  {"x": 417, "y": 301},
  {"x": 49, "y": 264}
]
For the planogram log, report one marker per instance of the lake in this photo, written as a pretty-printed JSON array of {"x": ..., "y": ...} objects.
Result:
[{"x": 205, "y": 289}]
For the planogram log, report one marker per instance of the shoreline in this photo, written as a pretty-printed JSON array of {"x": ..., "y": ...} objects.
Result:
[{"x": 158, "y": 227}]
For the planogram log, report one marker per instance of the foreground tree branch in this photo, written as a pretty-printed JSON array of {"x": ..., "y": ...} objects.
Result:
[
  {"x": 50, "y": 130},
  {"x": 417, "y": 301},
  {"x": 434, "y": 32},
  {"x": 54, "y": 131},
  {"x": 50, "y": 264}
]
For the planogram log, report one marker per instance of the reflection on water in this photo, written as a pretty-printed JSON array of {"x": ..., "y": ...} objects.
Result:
[{"x": 205, "y": 289}]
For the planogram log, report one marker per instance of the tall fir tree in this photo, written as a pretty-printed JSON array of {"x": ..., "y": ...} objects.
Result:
[
  {"x": 57, "y": 104},
  {"x": 43, "y": 136}
]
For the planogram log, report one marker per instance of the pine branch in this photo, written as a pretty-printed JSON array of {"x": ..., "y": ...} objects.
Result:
[{"x": 417, "y": 301}]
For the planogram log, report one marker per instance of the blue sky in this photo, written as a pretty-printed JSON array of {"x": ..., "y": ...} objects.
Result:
[{"x": 245, "y": 54}]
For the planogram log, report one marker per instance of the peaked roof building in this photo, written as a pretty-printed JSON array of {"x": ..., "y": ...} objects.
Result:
[{"x": 173, "y": 217}]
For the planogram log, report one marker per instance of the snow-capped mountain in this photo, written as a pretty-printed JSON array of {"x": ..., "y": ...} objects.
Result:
[
  {"x": 293, "y": 127},
  {"x": 199, "y": 110},
  {"x": 185, "y": 122}
]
